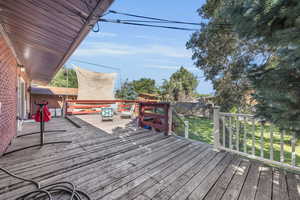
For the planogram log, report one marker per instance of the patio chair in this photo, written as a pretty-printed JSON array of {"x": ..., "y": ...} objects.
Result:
[
  {"x": 129, "y": 113},
  {"x": 107, "y": 113}
]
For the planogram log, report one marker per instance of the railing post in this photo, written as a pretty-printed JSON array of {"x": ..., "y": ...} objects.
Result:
[
  {"x": 216, "y": 127},
  {"x": 169, "y": 119},
  {"x": 186, "y": 129},
  {"x": 65, "y": 109},
  {"x": 140, "y": 115}
]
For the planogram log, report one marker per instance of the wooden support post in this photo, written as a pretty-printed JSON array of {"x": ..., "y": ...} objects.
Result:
[{"x": 216, "y": 127}]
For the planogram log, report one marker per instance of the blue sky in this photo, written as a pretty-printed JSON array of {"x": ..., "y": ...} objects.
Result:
[{"x": 141, "y": 51}]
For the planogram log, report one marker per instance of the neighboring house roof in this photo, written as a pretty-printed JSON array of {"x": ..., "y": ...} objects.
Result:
[
  {"x": 148, "y": 95},
  {"x": 56, "y": 91},
  {"x": 44, "y": 34}
]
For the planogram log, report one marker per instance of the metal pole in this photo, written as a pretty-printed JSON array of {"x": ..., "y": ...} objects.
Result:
[{"x": 42, "y": 124}]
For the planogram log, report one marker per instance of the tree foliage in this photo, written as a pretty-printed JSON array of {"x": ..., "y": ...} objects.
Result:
[
  {"x": 131, "y": 89},
  {"x": 65, "y": 78},
  {"x": 126, "y": 91},
  {"x": 223, "y": 57},
  {"x": 144, "y": 85},
  {"x": 276, "y": 24},
  {"x": 252, "y": 45},
  {"x": 181, "y": 86}
]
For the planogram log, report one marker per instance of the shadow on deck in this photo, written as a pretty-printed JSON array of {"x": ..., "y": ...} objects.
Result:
[{"x": 140, "y": 165}]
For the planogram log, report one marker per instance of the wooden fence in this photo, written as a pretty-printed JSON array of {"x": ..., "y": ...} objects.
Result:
[{"x": 255, "y": 138}]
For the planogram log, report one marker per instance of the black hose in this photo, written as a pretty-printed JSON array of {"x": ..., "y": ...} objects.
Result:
[
  {"x": 40, "y": 132},
  {"x": 37, "y": 145},
  {"x": 48, "y": 191}
]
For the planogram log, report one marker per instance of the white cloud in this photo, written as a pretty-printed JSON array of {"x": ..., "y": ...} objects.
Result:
[{"x": 107, "y": 48}]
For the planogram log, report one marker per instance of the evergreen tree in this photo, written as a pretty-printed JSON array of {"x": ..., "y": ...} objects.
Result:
[
  {"x": 144, "y": 85},
  {"x": 223, "y": 57},
  {"x": 181, "y": 86},
  {"x": 258, "y": 42},
  {"x": 275, "y": 24}
]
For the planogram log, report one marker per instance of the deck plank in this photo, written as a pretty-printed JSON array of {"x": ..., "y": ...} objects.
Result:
[
  {"x": 233, "y": 190},
  {"x": 169, "y": 191},
  {"x": 152, "y": 176},
  {"x": 293, "y": 186},
  {"x": 280, "y": 191},
  {"x": 250, "y": 186},
  {"x": 264, "y": 188},
  {"x": 220, "y": 187},
  {"x": 155, "y": 189},
  {"x": 208, "y": 181}
]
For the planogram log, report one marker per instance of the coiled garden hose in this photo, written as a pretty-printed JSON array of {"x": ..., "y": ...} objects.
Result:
[{"x": 47, "y": 192}]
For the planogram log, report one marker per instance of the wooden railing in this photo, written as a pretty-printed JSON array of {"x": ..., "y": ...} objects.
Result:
[
  {"x": 156, "y": 116},
  {"x": 77, "y": 107},
  {"x": 255, "y": 138}
]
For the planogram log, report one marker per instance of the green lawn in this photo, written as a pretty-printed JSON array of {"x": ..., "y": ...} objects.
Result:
[{"x": 201, "y": 129}]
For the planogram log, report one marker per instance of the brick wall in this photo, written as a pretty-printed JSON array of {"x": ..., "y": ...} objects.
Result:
[{"x": 8, "y": 95}]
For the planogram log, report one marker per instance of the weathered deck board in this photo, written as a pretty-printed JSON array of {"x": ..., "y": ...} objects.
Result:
[{"x": 140, "y": 165}]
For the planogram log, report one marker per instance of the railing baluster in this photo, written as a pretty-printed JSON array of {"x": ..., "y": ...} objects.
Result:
[
  {"x": 245, "y": 135},
  {"x": 271, "y": 142},
  {"x": 253, "y": 136},
  {"x": 237, "y": 123},
  {"x": 262, "y": 139},
  {"x": 293, "y": 148},
  {"x": 282, "y": 133},
  {"x": 224, "y": 131},
  {"x": 230, "y": 133}
]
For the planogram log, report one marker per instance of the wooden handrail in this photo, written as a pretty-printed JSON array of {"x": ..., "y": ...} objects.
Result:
[{"x": 96, "y": 104}]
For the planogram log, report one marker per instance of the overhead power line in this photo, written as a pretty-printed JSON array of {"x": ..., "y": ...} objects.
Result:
[
  {"x": 148, "y": 25},
  {"x": 153, "y": 18},
  {"x": 99, "y": 65}
]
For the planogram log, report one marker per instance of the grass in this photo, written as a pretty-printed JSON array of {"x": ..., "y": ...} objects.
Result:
[{"x": 201, "y": 129}]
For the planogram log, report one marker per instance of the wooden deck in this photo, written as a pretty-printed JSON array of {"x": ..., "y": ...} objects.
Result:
[{"x": 140, "y": 165}]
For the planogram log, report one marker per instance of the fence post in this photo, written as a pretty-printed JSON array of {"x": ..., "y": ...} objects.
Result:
[
  {"x": 186, "y": 129},
  {"x": 216, "y": 127}
]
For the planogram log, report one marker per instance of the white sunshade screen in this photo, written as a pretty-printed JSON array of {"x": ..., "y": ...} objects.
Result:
[{"x": 94, "y": 85}]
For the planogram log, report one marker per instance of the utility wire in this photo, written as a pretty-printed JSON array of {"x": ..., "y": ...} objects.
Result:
[
  {"x": 99, "y": 65},
  {"x": 148, "y": 25},
  {"x": 153, "y": 18}
]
